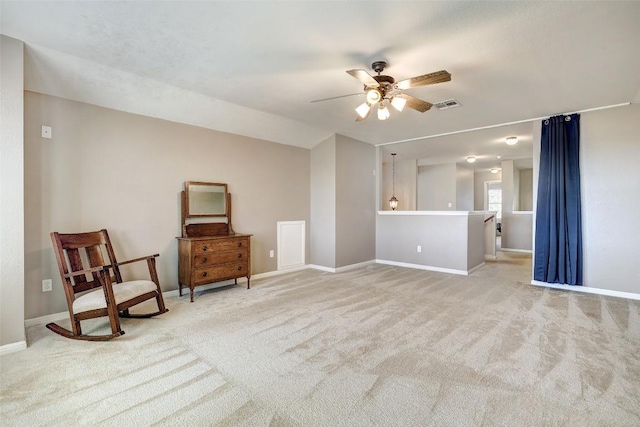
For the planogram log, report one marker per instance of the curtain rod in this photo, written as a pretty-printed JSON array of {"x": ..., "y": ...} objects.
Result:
[{"x": 500, "y": 125}]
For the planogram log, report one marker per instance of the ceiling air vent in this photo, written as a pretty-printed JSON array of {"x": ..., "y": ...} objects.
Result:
[{"x": 449, "y": 103}]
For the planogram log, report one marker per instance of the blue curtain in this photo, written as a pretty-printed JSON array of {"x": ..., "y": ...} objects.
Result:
[{"x": 558, "y": 250}]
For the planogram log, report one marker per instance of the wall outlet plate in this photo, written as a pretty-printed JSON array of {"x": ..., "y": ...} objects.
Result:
[
  {"x": 46, "y": 132},
  {"x": 47, "y": 285}
]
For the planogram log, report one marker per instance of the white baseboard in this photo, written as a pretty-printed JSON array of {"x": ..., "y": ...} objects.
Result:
[
  {"x": 354, "y": 266},
  {"x": 322, "y": 268},
  {"x": 281, "y": 271},
  {"x": 43, "y": 320},
  {"x": 523, "y": 251},
  {"x": 426, "y": 267},
  {"x": 491, "y": 257},
  {"x": 343, "y": 268},
  {"x": 13, "y": 347},
  {"x": 476, "y": 268},
  {"x": 588, "y": 290}
]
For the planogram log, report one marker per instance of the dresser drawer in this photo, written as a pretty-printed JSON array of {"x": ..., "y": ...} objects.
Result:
[
  {"x": 213, "y": 258},
  {"x": 220, "y": 272},
  {"x": 208, "y": 246}
]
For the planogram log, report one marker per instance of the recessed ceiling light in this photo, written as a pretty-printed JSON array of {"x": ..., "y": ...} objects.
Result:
[
  {"x": 471, "y": 159},
  {"x": 511, "y": 140}
]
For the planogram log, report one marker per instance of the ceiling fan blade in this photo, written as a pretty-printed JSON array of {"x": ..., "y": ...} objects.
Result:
[
  {"x": 415, "y": 103},
  {"x": 359, "y": 118},
  {"x": 426, "y": 79},
  {"x": 337, "y": 97},
  {"x": 364, "y": 77}
]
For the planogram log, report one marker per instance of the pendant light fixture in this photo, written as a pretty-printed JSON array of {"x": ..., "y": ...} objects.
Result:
[{"x": 393, "y": 202}]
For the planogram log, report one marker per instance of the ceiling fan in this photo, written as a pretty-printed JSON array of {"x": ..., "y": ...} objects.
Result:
[{"x": 381, "y": 88}]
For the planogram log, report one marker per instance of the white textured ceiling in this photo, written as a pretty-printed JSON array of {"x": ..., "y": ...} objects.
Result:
[{"x": 253, "y": 67}]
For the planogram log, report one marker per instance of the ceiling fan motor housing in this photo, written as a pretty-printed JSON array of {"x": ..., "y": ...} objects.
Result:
[{"x": 378, "y": 66}]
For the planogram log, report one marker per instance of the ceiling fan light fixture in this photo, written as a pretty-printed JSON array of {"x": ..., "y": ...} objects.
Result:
[
  {"x": 398, "y": 103},
  {"x": 383, "y": 112},
  {"x": 511, "y": 140},
  {"x": 363, "y": 109},
  {"x": 373, "y": 96},
  {"x": 471, "y": 159}
]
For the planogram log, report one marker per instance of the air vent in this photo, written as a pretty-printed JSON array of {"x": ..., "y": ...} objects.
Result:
[{"x": 449, "y": 103}]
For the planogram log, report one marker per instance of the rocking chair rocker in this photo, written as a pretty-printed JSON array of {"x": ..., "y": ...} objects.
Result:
[{"x": 102, "y": 294}]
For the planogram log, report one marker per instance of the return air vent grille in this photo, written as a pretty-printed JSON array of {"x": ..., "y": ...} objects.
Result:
[{"x": 449, "y": 103}]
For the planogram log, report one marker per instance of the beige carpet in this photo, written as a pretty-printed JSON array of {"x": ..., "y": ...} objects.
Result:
[{"x": 379, "y": 345}]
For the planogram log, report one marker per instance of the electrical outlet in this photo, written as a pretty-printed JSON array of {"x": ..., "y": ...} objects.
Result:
[
  {"x": 271, "y": 254},
  {"x": 46, "y": 133},
  {"x": 419, "y": 248},
  {"x": 47, "y": 285}
]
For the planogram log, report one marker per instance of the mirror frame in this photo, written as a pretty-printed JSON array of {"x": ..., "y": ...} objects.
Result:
[{"x": 187, "y": 186}]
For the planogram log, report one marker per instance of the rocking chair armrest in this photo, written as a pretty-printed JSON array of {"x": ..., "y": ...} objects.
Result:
[
  {"x": 137, "y": 259},
  {"x": 87, "y": 270}
]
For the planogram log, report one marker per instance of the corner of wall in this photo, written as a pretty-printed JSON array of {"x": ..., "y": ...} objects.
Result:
[{"x": 12, "y": 329}]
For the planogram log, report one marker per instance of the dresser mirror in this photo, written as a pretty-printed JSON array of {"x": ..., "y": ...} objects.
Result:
[
  {"x": 209, "y": 251},
  {"x": 202, "y": 200},
  {"x": 205, "y": 199}
]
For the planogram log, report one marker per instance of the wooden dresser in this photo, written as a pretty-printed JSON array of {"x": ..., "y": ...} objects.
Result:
[
  {"x": 210, "y": 252},
  {"x": 209, "y": 259}
]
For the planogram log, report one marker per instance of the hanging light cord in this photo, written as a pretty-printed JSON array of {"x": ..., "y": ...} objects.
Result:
[{"x": 394, "y": 173}]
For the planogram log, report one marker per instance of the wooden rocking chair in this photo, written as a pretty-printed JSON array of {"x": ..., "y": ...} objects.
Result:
[{"x": 103, "y": 294}]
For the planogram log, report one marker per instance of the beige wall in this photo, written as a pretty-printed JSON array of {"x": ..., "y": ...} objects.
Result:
[
  {"x": 525, "y": 190},
  {"x": 323, "y": 203},
  {"x": 406, "y": 178},
  {"x": 355, "y": 201},
  {"x": 109, "y": 169},
  {"x": 342, "y": 202},
  {"x": 464, "y": 188},
  {"x": 11, "y": 193},
  {"x": 437, "y": 187},
  {"x": 610, "y": 184},
  {"x": 444, "y": 184},
  {"x": 450, "y": 242}
]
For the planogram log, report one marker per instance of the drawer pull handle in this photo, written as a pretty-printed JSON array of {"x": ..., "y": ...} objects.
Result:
[
  {"x": 205, "y": 247},
  {"x": 204, "y": 274},
  {"x": 239, "y": 255},
  {"x": 239, "y": 268},
  {"x": 239, "y": 244},
  {"x": 204, "y": 260}
]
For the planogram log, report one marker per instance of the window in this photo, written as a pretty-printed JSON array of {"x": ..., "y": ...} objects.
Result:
[{"x": 493, "y": 198}]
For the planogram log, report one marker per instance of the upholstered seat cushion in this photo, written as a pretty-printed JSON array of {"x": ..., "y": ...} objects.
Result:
[{"x": 121, "y": 291}]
